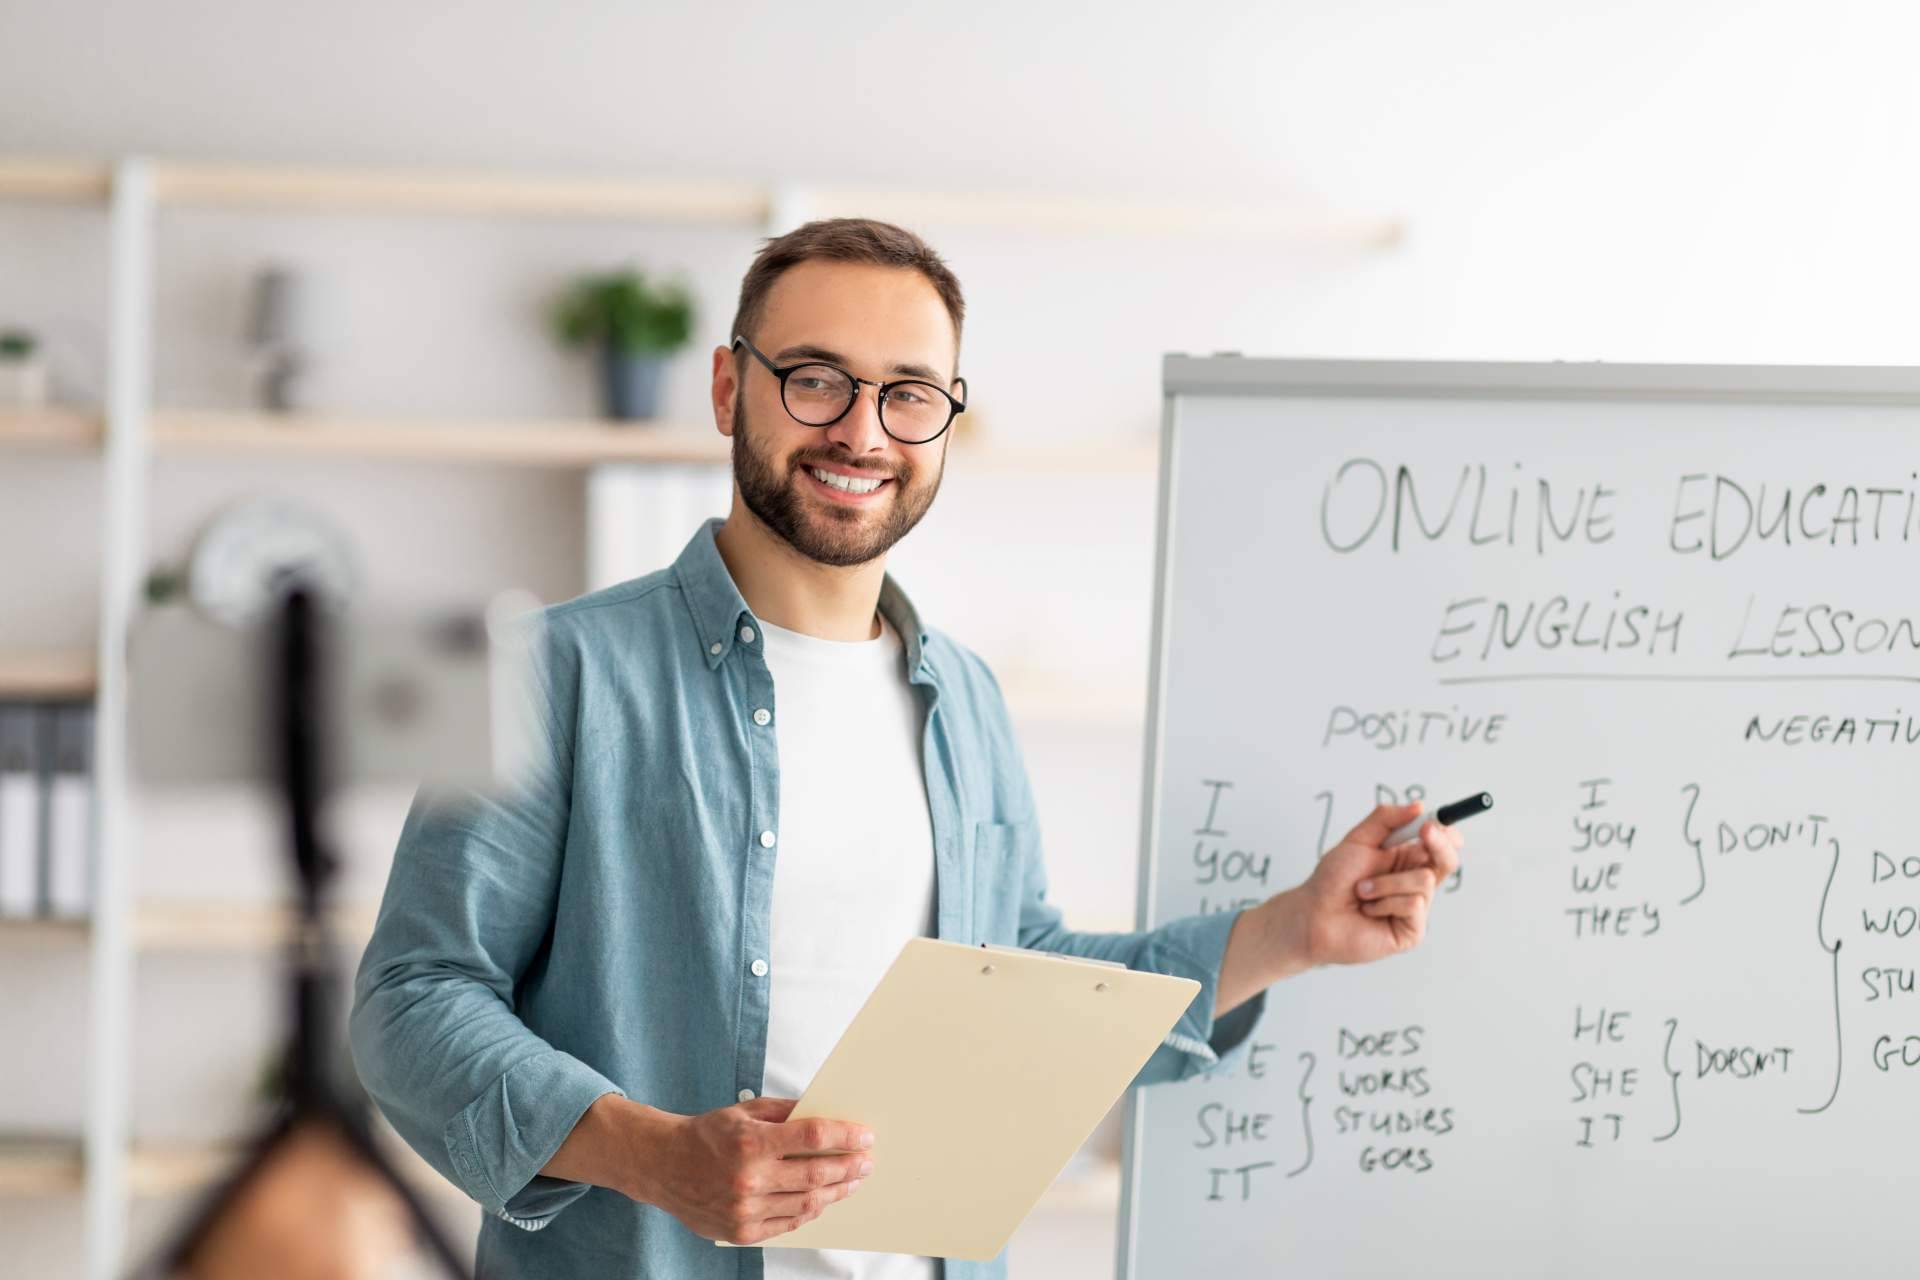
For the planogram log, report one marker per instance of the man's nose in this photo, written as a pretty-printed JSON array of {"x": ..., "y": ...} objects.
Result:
[{"x": 860, "y": 430}]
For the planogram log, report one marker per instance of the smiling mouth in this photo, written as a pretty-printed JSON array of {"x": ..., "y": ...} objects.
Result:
[{"x": 855, "y": 486}]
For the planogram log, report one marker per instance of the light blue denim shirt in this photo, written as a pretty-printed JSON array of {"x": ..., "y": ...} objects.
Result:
[{"x": 594, "y": 932}]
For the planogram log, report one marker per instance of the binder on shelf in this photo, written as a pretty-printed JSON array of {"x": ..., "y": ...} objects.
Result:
[
  {"x": 69, "y": 811},
  {"x": 20, "y": 871}
]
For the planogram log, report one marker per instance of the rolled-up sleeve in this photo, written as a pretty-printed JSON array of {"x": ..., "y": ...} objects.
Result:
[{"x": 436, "y": 1038}]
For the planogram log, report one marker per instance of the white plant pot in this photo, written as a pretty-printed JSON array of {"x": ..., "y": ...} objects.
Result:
[{"x": 23, "y": 382}]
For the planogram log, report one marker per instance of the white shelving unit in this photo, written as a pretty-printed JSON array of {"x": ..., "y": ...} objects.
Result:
[{"x": 127, "y": 431}]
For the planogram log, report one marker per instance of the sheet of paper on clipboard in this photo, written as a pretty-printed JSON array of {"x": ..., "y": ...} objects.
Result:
[{"x": 980, "y": 1071}]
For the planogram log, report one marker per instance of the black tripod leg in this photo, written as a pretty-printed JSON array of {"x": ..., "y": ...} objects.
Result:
[{"x": 361, "y": 1140}]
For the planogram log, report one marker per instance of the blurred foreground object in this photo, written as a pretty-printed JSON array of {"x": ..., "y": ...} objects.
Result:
[
  {"x": 314, "y": 1211},
  {"x": 243, "y": 1218},
  {"x": 270, "y": 677}
]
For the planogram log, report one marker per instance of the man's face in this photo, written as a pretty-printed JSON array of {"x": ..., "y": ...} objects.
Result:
[{"x": 883, "y": 323}]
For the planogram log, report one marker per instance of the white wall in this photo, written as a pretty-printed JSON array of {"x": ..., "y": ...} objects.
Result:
[
  {"x": 1695, "y": 180},
  {"x": 1702, "y": 179}
]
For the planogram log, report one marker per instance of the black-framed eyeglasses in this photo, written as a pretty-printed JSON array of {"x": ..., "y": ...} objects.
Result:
[{"x": 819, "y": 395}]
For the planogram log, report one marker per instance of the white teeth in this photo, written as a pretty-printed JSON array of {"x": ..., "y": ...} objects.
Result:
[{"x": 846, "y": 484}]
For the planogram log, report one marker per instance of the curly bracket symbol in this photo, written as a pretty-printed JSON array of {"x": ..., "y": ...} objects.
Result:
[
  {"x": 1686, "y": 833},
  {"x": 1833, "y": 949},
  {"x": 1306, "y": 1112},
  {"x": 1666, "y": 1060}
]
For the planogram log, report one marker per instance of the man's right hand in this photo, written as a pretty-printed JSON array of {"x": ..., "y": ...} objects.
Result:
[
  {"x": 744, "y": 1175},
  {"x": 739, "y": 1174}
]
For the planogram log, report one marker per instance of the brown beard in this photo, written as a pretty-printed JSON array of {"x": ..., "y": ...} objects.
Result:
[{"x": 833, "y": 536}]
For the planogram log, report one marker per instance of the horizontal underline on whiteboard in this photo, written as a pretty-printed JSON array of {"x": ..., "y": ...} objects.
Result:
[{"x": 1678, "y": 678}]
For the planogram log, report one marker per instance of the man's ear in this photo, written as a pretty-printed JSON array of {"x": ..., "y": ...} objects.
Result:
[
  {"x": 726, "y": 386},
  {"x": 961, "y": 393}
]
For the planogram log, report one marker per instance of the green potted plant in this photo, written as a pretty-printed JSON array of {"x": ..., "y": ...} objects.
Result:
[
  {"x": 632, "y": 327},
  {"x": 23, "y": 374}
]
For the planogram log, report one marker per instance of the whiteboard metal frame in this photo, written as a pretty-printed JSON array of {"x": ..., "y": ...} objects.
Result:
[
  {"x": 1150, "y": 795},
  {"x": 1228, "y": 374},
  {"x": 1552, "y": 380}
]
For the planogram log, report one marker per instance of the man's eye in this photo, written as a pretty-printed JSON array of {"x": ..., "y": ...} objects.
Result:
[{"x": 907, "y": 395}]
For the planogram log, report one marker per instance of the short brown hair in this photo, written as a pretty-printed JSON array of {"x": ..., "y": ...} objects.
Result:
[{"x": 845, "y": 240}]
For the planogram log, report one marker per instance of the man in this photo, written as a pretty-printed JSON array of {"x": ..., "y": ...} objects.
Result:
[{"x": 762, "y": 775}]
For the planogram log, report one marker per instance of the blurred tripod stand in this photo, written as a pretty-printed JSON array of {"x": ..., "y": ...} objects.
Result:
[{"x": 314, "y": 1099}]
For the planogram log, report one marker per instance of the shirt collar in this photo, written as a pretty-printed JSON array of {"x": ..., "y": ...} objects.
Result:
[{"x": 720, "y": 613}]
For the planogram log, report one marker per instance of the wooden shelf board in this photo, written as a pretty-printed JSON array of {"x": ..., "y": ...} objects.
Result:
[
  {"x": 48, "y": 675},
  {"x": 50, "y": 426},
  {"x": 729, "y": 204},
  {"x": 195, "y": 927},
  {"x": 55, "y": 180},
  {"x": 747, "y": 204},
  {"x": 714, "y": 203},
  {"x": 38, "y": 931},
  {"x": 234, "y": 926},
  {"x": 165, "y": 1169},
  {"x": 558, "y": 444},
  {"x": 552, "y": 444},
  {"x": 561, "y": 443},
  {"x": 40, "y": 1166}
]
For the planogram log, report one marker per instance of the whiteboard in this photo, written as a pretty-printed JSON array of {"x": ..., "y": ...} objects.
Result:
[{"x": 1666, "y": 1020}]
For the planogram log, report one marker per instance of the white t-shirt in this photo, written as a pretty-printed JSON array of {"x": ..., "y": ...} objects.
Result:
[{"x": 854, "y": 877}]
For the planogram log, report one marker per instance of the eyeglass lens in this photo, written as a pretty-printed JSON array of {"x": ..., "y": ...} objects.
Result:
[{"x": 817, "y": 394}]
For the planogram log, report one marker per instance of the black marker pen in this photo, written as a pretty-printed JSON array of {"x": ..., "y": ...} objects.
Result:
[{"x": 1446, "y": 815}]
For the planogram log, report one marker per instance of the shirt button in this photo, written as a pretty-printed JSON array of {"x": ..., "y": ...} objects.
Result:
[
  {"x": 766, "y": 839},
  {"x": 759, "y": 968},
  {"x": 715, "y": 648},
  {"x": 762, "y": 716},
  {"x": 746, "y": 634},
  {"x": 745, "y": 1095}
]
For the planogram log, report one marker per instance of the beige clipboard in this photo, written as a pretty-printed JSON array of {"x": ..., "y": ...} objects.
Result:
[{"x": 980, "y": 1071}]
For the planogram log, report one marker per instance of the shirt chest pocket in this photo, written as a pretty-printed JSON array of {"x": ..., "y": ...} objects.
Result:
[{"x": 1002, "y": 853}]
